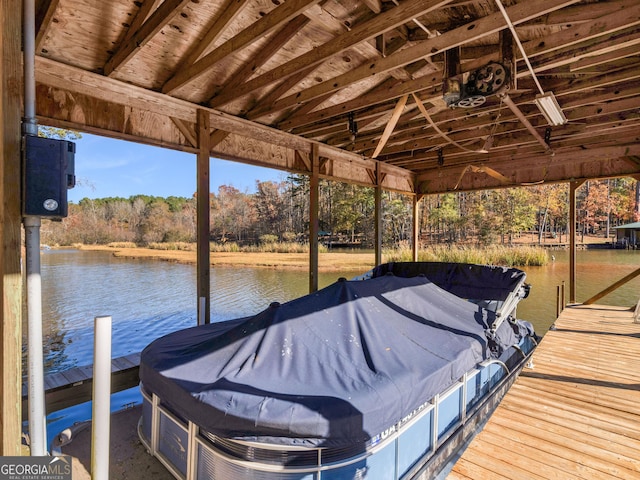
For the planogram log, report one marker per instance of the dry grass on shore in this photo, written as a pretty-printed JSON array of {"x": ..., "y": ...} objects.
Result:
[{"x": 327, "y": 261}]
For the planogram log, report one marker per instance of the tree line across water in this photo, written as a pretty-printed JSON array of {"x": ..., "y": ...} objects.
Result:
[{"x": 279, "y": 212}]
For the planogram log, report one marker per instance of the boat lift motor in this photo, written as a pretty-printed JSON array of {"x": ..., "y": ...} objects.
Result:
[{"x": 48, "y": 171}]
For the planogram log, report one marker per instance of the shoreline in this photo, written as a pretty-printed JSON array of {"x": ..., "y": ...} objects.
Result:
[{"x": 328, "y": 262}]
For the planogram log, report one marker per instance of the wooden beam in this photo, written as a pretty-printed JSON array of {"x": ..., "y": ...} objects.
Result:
[
  {"x": 10, "y": 257},
  {"x": 50, "y": 72},
  {"x": 360, "y": 33},
  {"x": 612, "y": 287},
  {"x": 391, "y": 124},
  {"x": 44, "y": 18},
  {"x": 186, "y": 130},
  {"x": 476, "y": 30},
  {"x": 267, "y": 24},
  {"x": 156, "y": 22},
  {"x": 203, "y": 223},
  {"x": 550, "y": 46},
  {"x": 144, "y": 11},
  {"x": 227, "y": 13},
  {"x": 314, "y": 226},
  {"x": 264, "y": 54}
]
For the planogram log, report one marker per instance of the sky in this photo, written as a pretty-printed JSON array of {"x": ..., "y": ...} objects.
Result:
[{"x": 105, "y": 167}]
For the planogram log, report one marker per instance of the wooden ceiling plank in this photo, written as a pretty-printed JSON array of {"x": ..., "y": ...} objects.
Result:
[
  {"x": 228, "y": 13},
  {"x": 365, "y": 31},
  {"x": 261, "y": 57},
  {"x": 608, "y": 57},
  {"x": 267, "y": 24},
  {"x": 608, "y": 102},
  {"x": 587, "y": 31},
  {"x": 381, "y": 108},
  {"x": 44, "y": 18},
  {"x": 304, "y": 116},
  {"x": 158, "y": 19},
  {"x": 374, "y": 5},
  {"x": 391, "y": 125},
  {"x": 483, "y": 27},
  {"x": 552, "y": 42},
  {"x": 144, "y": 11},
  {"x": 566, "y": 57},
  {"x": 262, "y": 107},
  {"x": 387, "y": 90}
]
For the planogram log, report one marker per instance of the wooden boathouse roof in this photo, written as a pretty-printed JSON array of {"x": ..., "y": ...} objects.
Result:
[{"x": 361, "y": 80}]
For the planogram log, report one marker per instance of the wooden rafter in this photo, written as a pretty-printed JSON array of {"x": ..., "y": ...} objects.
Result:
[
  {"x": 263, "y": 55},
  {"x": 270, "y": 22},
  {"x": 145, "y": 10},
  {"x": 158, "y": 19},
  {"x": 388, "y": 129},
  {"x": 477, "y": 30},
  {"x": 44, "y": 17},
  {"x": 365, "y": 31},
  {"x": 228, "y": 12}
]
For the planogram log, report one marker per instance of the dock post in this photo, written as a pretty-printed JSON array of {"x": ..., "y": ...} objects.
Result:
[{"x": 101, "y": 407}]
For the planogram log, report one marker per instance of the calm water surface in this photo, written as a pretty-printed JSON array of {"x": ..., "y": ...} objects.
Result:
[{"x": 147, "y": 299}]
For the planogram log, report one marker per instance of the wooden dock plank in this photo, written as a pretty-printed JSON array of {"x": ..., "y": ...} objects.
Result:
[
  {"x": 576, "y": 414},
  {"x": 74, "y": 386},
  {"x": 624, "y": 452},
  {"x": 563, "y": 445}
]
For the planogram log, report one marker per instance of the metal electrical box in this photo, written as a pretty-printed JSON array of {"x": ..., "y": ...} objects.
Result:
[{"x": 48, "y": 171}]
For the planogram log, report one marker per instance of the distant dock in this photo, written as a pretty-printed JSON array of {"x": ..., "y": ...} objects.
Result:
[{"x": 576, "y": 414}]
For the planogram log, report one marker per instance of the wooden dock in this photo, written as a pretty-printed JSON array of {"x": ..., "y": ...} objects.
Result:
[
  {"x": 75, "y": 386},
  {"x": 576, "y": 414}
]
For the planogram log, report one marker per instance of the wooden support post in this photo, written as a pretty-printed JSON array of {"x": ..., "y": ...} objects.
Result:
[
  {"x": 378, "y": 217},
  {"x": 203, "y": 223},
  {"x": 10, "y": 275},
  {"x": 415, "y": 240},
  {"x": 573, "y": 186},
  {"x": 314, "y": 202}
]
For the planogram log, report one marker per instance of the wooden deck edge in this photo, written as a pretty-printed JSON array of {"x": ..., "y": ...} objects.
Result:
[{"x": 75, "y": 386}]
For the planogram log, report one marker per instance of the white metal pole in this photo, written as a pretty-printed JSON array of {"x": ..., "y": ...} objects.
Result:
[
  {"x": 35, "y": 365},
  {"x": 101, "y": 407}
]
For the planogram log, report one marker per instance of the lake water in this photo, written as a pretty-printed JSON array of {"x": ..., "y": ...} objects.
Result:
[{"x": 147, "y": 299}]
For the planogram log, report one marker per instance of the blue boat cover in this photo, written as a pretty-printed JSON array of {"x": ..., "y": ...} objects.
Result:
[
  {"x": 466, "y": 280},
  {"x": 334, "y": 368}
]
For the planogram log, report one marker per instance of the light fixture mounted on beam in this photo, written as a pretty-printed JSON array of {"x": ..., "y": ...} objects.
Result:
[{"x": 550, "y": 108}]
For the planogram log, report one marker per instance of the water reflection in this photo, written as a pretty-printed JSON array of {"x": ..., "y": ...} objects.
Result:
[{"x": 148, "y": 299}]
